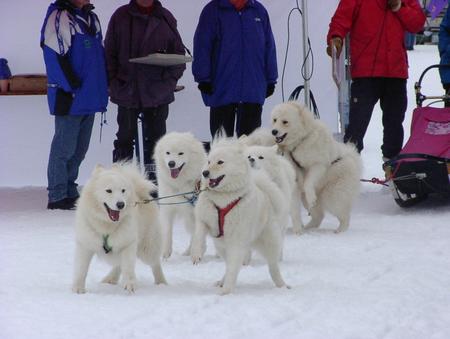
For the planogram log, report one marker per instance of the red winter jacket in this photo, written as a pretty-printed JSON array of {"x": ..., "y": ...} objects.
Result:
[{"x": 376, "y": 35}]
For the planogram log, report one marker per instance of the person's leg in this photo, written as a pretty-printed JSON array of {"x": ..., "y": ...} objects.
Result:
[
  {"x": 153, "y": 128},
  {"x": 124, "y": 144},
  {"x": 393, "y": 103},
  {"x": 364, "y": 95},
  {"x": 222, "y": 116},
  {"x": 62, "y": 149},
  {"x": 447, "y": 91},
  {"x": 73, "y": 165},
  {"x": 248, "y": 118}
]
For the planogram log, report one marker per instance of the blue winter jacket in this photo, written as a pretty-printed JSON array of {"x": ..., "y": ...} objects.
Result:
[
  {"x": 74, "y": 56},
  {"x": 235, "y": 51},
  {"x": 5, "y": 72},
  {"x": 444, "y": 47}
]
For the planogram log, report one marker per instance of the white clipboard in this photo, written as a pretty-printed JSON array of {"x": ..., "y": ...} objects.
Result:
[{"x": 162, "y": 59}]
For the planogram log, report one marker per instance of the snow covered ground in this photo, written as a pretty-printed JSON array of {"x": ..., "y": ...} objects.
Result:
[{"x": 387, "y": 277}]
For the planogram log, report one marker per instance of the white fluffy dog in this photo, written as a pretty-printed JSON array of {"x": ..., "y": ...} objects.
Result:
[
  {"x": 240, "y": 209},
  {"x": 330, "y": 170},
  {"x": 282, "y": 173},
  {"x": 179, "y": 159},
  {"x": 110, "y": 224}
]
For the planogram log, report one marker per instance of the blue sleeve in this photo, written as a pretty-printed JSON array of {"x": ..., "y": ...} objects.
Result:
[
  {"x": 271, "y": 54},
  {"x": 444, "y": 36},
  {"x": 204, "y": 40},
  {"x": 59, "y": 67},
  {"x": 59, "y": 70}
]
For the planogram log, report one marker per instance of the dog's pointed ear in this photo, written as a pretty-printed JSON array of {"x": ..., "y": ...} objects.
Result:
[{"x": 97, "y": 169}]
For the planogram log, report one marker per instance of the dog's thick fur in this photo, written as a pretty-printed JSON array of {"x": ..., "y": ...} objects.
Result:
[
  {"x": 179, "y": 159},
  {"x": 109, "y": 220},
  {"x": 252, "y": 222},
  {"x": 282, "y": 173},
  {"x": 328, "y": 171}
]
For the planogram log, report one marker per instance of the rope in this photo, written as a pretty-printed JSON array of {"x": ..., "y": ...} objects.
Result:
[{"x": 195, "y": 194}]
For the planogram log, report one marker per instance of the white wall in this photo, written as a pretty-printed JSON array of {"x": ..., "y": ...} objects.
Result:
[{"x": 26, "y": 127}]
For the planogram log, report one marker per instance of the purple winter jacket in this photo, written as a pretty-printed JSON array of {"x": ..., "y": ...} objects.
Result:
[{"x": 131, "y": 34}]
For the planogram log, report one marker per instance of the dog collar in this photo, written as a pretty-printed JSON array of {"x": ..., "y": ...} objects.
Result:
[
  {"x": 222, "y": 212},
  {"x": 106, "y": 247}
]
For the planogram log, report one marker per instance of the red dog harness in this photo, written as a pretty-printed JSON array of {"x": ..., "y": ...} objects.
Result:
[{"x": 222, "y": 212}]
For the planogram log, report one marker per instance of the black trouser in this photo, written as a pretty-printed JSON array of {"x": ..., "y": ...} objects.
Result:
[
  {"x": 246, "y": 115},
  {"x": 447, "y": 91},
  {"x": 153, "y": 128},
  {"x": 365, "y": 93}
]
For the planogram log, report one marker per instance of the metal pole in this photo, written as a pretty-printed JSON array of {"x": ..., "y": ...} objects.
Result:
[{"x": 305, "y": 52}]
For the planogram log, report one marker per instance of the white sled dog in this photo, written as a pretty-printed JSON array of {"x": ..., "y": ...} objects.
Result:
[
  {"x": 331, "y": 170},
  {"x": 240, "y": 209},
  {"x": 110, "y": 224},
  {"x": 179, "y": 159},
  {"x": 282, "y": 173}
]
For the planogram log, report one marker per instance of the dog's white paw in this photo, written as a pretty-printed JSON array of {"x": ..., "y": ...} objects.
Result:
[
  {"x": 196, "y": 259},
  {"x": 219, "y": 283},
  {"x": 129, "y": 286},
  {"x": 298, "y": 229},
  {"x": 78, "y": 289},
  {"x": 166, "y": 254},
  {"x": 225, "y": 291}
]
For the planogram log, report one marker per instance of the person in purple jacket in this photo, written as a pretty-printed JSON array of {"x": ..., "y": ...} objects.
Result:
[
  {"x": 235, "y": 63},
  {"x": 136, "y": 30}
]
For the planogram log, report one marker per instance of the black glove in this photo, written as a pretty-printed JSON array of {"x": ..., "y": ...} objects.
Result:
[
  {"x": 206, "y": 88},
  {"x": 270, "y": 89}
]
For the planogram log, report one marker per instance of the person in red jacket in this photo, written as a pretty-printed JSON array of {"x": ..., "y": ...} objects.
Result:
[{"x": 379, "y": 63}]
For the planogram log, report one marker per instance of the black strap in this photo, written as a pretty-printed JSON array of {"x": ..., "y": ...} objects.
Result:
[{"x": 296, "y": 93}]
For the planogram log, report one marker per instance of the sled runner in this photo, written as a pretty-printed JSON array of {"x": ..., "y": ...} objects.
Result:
[{"x": 423, "y": 165}]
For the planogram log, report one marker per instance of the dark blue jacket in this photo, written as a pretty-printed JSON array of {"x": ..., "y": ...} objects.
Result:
[
  {"x": 444, "y": 47},
  {"x": 74, "y": 56},
  {"x": 235, "y": 51},
  {"x": 5, "y": 72}
]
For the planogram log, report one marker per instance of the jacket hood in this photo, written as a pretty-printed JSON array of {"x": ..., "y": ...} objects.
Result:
[
  {"x": 157, "y": 9},
  {"x": 69, "y": 6},
  {"x": 227, "y": 3}
]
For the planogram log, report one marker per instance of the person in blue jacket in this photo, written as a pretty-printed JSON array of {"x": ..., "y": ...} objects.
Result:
[
  {"x": 444, "y": 52},
  {"x": 71, "y": 40},
  {"x": 234, "y": 63}
]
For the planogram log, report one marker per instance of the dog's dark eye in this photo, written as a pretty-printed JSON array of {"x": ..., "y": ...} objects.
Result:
[
  {"x": 274, "y": 120},
  {"x": 261, "y": 157},
  {"x": 181, "y": 153},
  {"x": 285, "y": 122},
  {"x": 220, "y": 162},
  {"x": 168, "y": 153},
  {"x": 249, "y": 157},
  {"x": 123, "y": 190},
  {"x": 108, "y": 191}
]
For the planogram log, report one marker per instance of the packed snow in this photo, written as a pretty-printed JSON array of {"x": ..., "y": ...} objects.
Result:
[{"x": 388, "y": 276}]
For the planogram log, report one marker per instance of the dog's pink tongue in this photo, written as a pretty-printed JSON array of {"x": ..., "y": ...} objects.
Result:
[
  {"x": 174, "y": 172},
  {"x": 114, "y": 215}
]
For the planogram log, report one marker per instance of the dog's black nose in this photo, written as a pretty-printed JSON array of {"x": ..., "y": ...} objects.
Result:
[
  {"x": 205, "y": 173},
  {"x": 120, "y": 205},
  {"x": 154, "y": 194},
  {"x": 274, "y": 132},
  {"x": 171, "y": 164}
]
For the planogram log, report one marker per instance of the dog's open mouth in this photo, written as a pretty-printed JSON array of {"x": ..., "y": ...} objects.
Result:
[
  {"x": 280, "y": 139},
  {"x": 113, "y": 214},
  {"x": 215, "y": 182},
  {"x": 175, "y": 172}
]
